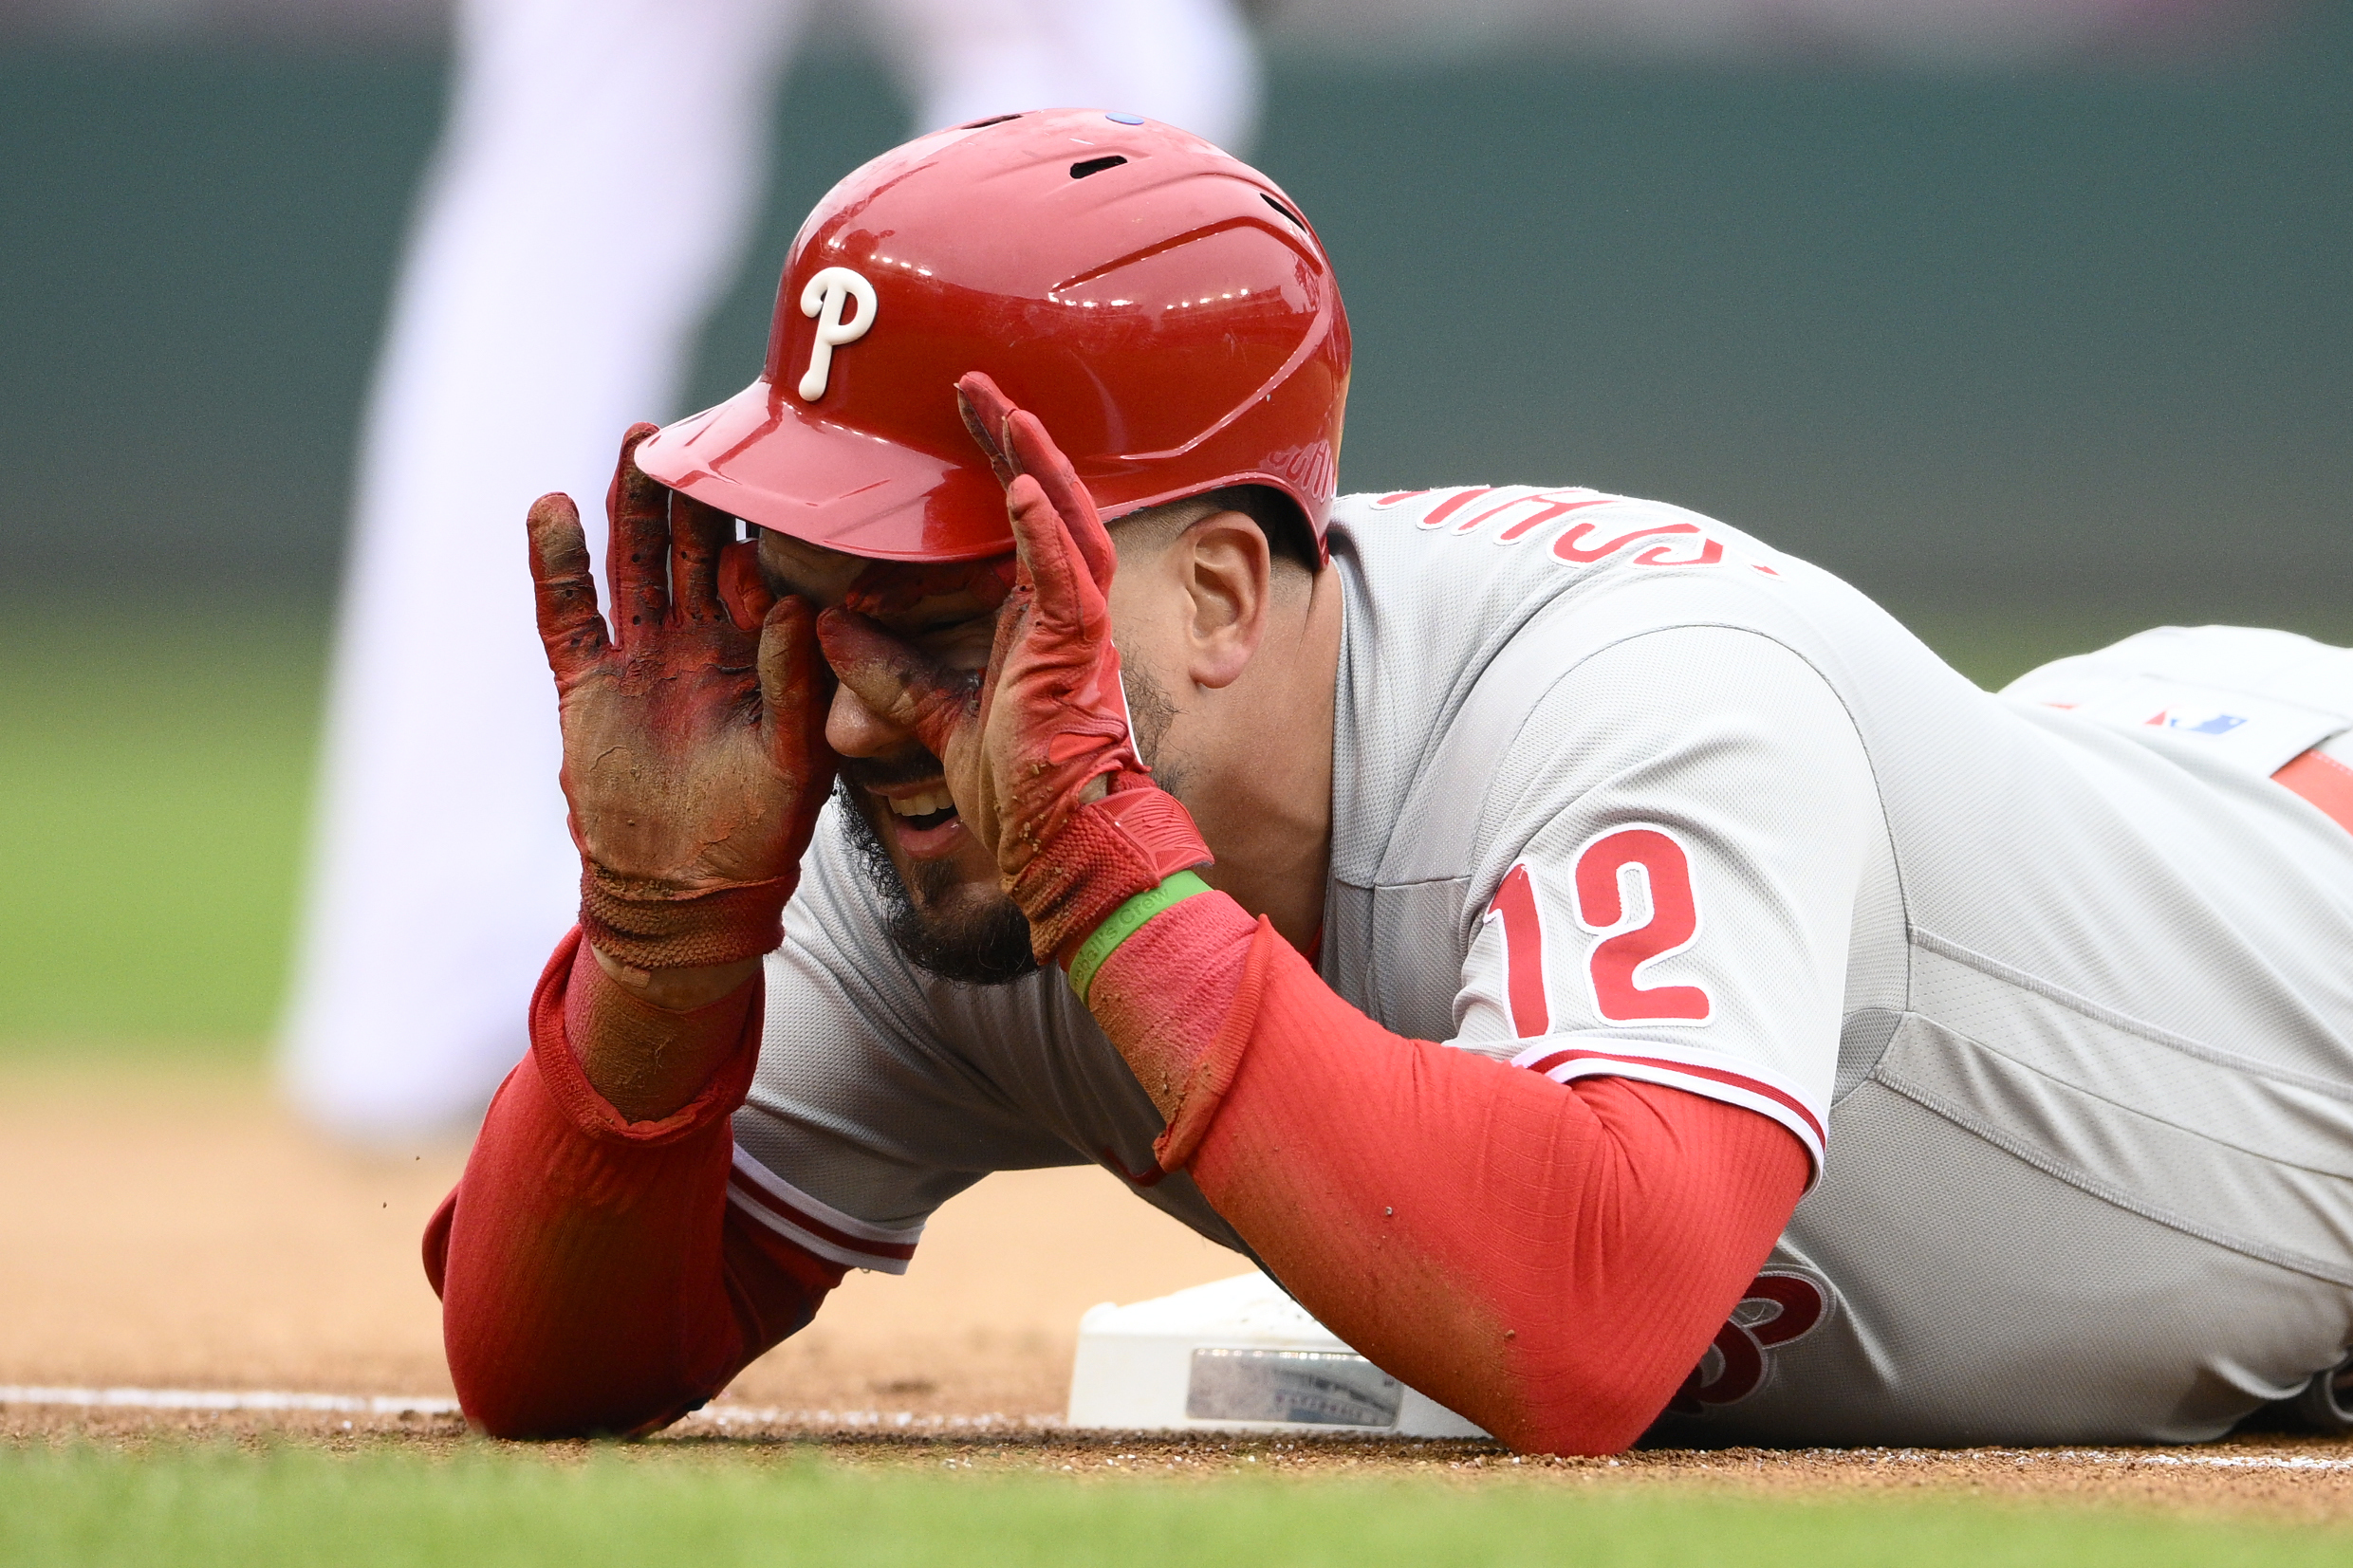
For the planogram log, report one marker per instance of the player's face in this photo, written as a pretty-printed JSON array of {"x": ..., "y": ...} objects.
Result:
[{"x": 947, "y": 913}]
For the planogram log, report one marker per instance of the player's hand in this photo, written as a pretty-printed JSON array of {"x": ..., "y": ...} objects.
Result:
[
  {"x": 1039, "y": 760},
  {"x": 1047, "y": 725},
  {"x": 695, "y": 759}
]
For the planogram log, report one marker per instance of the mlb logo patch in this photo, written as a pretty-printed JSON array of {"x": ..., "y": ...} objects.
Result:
[
  {"x": 2243, "y": 728},
  {"x": 2195, "y": 721}
]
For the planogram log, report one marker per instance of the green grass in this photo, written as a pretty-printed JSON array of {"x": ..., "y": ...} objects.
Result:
[
  {"x": 653, "y": 1506},
  {"x": 154, "y": 776},
  {"x": 155, "y": 771}
]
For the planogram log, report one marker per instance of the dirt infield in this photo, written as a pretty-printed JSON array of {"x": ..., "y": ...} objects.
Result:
[{"x": 171, "y": 1229}]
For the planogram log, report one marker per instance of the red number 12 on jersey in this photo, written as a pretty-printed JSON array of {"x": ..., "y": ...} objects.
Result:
[
  {"x": 1634, "y": 895},
  {"x": 1618, "y": 875}
]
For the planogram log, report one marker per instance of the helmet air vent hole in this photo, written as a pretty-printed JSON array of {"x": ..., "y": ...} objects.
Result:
[
  {"x": 992, "y": 120},
  {"x": 1095, "y": 166},
  {"x": 1297, "y": 222}
]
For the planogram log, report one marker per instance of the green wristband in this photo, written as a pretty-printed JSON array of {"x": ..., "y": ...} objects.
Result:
[{"x": 1126, "y": 921}]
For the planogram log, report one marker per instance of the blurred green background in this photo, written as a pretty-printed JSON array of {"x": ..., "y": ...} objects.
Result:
[{"x": 2036, "y": 356}]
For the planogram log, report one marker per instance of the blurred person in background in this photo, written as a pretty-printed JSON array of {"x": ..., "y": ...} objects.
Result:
[
  {"x": 1915, "y": 32},
  {"x": 594, "y": 190}
]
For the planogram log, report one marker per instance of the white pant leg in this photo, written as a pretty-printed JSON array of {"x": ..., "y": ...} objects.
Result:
[
  {"x": 593, "y": 190},
  {"x": 1189, "y": 62}
]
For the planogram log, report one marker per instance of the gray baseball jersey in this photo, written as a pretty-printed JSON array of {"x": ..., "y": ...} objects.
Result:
[{"x": 2052, "y": 984}]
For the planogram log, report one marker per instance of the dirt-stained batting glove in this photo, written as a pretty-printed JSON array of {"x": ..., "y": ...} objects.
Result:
[{"x": 695, "y": 760}]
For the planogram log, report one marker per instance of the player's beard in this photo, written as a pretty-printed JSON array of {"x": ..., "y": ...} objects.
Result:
[
  {"x": 982, "y": 941},
  {"x": 1149, "y": 714},
  {"x": 985, "y": 941}
]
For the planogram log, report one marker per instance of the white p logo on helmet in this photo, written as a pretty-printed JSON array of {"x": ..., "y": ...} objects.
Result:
[{"x": 823, "y": 299}]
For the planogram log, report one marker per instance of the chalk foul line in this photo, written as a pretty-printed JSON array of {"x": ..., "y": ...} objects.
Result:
[
  {"x": 2191, "y": 1460},
  {"x": 220, "y": 1399}
]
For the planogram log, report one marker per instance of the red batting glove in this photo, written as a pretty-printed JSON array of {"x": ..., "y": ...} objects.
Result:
[
  {"x": 695, "y": 759},
  {"x": 1039, "y": 761}
]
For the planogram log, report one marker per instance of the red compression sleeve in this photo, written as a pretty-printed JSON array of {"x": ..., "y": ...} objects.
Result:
[
  {"x": 1549, "y": 1261},
  {"x": 593, "y": 1276}
]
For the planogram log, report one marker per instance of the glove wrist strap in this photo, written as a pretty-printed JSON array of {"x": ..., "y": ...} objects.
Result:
[
  {"x": 1104, "y": 854},
  {"x": 1126, "y": 921},
  {"x": 717, "y": 927}
]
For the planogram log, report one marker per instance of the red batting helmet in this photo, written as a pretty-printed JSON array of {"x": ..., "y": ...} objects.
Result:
[{"x": 1160, "y": 306}]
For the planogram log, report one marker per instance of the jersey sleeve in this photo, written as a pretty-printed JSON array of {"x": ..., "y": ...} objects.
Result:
[{"x": 1671, "y": 856}]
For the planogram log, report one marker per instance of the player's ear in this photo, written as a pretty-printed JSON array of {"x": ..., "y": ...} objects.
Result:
[{"x": 1225, "y": 566}]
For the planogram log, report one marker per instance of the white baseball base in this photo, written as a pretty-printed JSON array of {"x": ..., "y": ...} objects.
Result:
[{"x": 1237, "y": 1355}]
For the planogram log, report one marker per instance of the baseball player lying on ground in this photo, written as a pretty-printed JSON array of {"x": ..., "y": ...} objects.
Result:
[{"x": 1607, "y": 970}]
